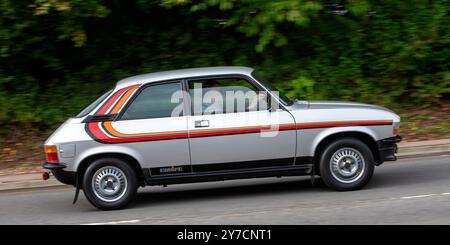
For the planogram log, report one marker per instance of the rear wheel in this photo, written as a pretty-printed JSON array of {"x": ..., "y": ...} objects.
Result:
[
  {"x": 346, "y": 164},
  {"x": 109, "y": 183}
]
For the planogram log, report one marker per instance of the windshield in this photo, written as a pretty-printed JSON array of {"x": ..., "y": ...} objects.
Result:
[
  {"x": 94, "y": 104},
  {"x": 282, "y": 97}
]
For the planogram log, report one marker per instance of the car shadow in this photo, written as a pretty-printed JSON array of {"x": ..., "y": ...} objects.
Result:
[
  {"x": 391, "y": 176},
  {"x": 224, "y": 190},
  {"x": 426, "y": 171}
]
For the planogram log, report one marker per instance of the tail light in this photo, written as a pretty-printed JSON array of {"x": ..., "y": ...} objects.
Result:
[{"x": 51, "y": 154}]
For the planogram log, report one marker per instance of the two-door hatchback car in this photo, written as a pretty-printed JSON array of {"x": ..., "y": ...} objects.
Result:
[{"x": 210, "y": 124}]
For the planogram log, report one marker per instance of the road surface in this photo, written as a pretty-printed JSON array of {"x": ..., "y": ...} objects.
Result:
[{"x": 410, "y": 191}]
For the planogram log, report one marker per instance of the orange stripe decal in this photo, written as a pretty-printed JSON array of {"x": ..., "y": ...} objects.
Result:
[
  {"x": 123, "y": 138},
  {"x": 102, "y": 131},
  {"x": 110, "y": 130},
  {"x": 107, "y": 105},
  {"x": 122, "y": 101}
]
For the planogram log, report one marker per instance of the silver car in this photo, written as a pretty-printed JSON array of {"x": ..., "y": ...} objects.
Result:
[{"x": 210, "y": 124}]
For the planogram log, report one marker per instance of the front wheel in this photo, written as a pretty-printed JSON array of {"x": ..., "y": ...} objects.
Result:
[
  {"x": 346, "y": 164},
  {"x": 109, "y": 183}
]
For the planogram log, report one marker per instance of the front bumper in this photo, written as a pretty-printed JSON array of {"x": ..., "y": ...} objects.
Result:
[
  {"x": 387, "y": 148},
  {"x": 65, "y": 177}
]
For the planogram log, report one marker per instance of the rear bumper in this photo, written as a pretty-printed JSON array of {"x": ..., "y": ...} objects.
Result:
[
  {"x": 65, "y": 177},
  {"x": 53, "y": 166},
  {"x": 387, "y": 148}
]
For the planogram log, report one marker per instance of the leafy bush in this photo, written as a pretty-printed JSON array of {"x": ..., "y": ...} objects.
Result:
[{"x": 58, "y": 55}]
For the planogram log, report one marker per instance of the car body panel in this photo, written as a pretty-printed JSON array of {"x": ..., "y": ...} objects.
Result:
[
  {"x": 184, "y": 73},
  {"x": 346, "y": 117},
  {"x": 230, "y": 139},
  {"x": 157, "y": 151}
]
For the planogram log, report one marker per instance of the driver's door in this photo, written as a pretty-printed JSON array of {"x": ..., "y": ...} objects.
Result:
[{"x": 240, "y": 135}]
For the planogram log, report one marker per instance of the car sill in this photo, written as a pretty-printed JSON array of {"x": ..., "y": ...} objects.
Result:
[{"x": 229, "y": 175}]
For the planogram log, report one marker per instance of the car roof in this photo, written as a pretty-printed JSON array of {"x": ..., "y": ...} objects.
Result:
[{"x": 183, "y": 73}]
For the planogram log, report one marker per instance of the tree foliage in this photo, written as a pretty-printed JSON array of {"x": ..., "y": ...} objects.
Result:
[{"x": 57, "y": 55}]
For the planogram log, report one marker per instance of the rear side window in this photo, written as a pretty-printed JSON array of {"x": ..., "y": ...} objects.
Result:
[
  {"x": 94, "y": 104},
  {"x": 155, "y": 101}
]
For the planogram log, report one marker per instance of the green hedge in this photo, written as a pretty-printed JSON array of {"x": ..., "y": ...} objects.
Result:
[{"x": 57, "y": 55}]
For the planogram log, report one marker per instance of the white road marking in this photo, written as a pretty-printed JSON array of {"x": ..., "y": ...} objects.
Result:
[
  {"x": 239, "y": 214},
  {"x": 137, "y": 220},
  {"x": 115, "y": 222},
  {"x": 418, "y": 196}
]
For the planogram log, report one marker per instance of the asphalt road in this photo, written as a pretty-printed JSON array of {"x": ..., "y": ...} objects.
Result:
[{"x": 410, "y": 191}]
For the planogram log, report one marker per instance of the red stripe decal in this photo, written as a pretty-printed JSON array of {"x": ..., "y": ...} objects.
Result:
[
  {"x": 94, "y": 127},
  {"x": 343, "y": 124},
  {"x": 98, "y": 133},
  {"x": 113, "y": 99},
  {"x": 95, "y": 131}
]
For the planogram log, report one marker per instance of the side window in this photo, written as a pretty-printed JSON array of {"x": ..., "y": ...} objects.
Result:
[
  {"x": 94, "y": 104},
  {"x": 225, "y": 95},
  {"x": 156, "y": 101}
]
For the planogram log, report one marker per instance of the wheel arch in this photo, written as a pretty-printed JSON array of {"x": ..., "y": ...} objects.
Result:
[
  {"x": 362, "y": 136},
  {"x": 130, "y": 160}
]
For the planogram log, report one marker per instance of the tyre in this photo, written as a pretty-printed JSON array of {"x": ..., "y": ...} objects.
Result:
[
  {"x": 346, "y": 164},
  {"x": 109, "y": 183}
]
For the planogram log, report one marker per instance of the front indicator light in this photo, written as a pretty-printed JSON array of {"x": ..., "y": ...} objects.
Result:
[{"x": 395, "y": 131}]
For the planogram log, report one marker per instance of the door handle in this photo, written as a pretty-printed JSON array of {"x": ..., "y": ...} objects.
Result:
[{"x": 202, "y": 123}]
